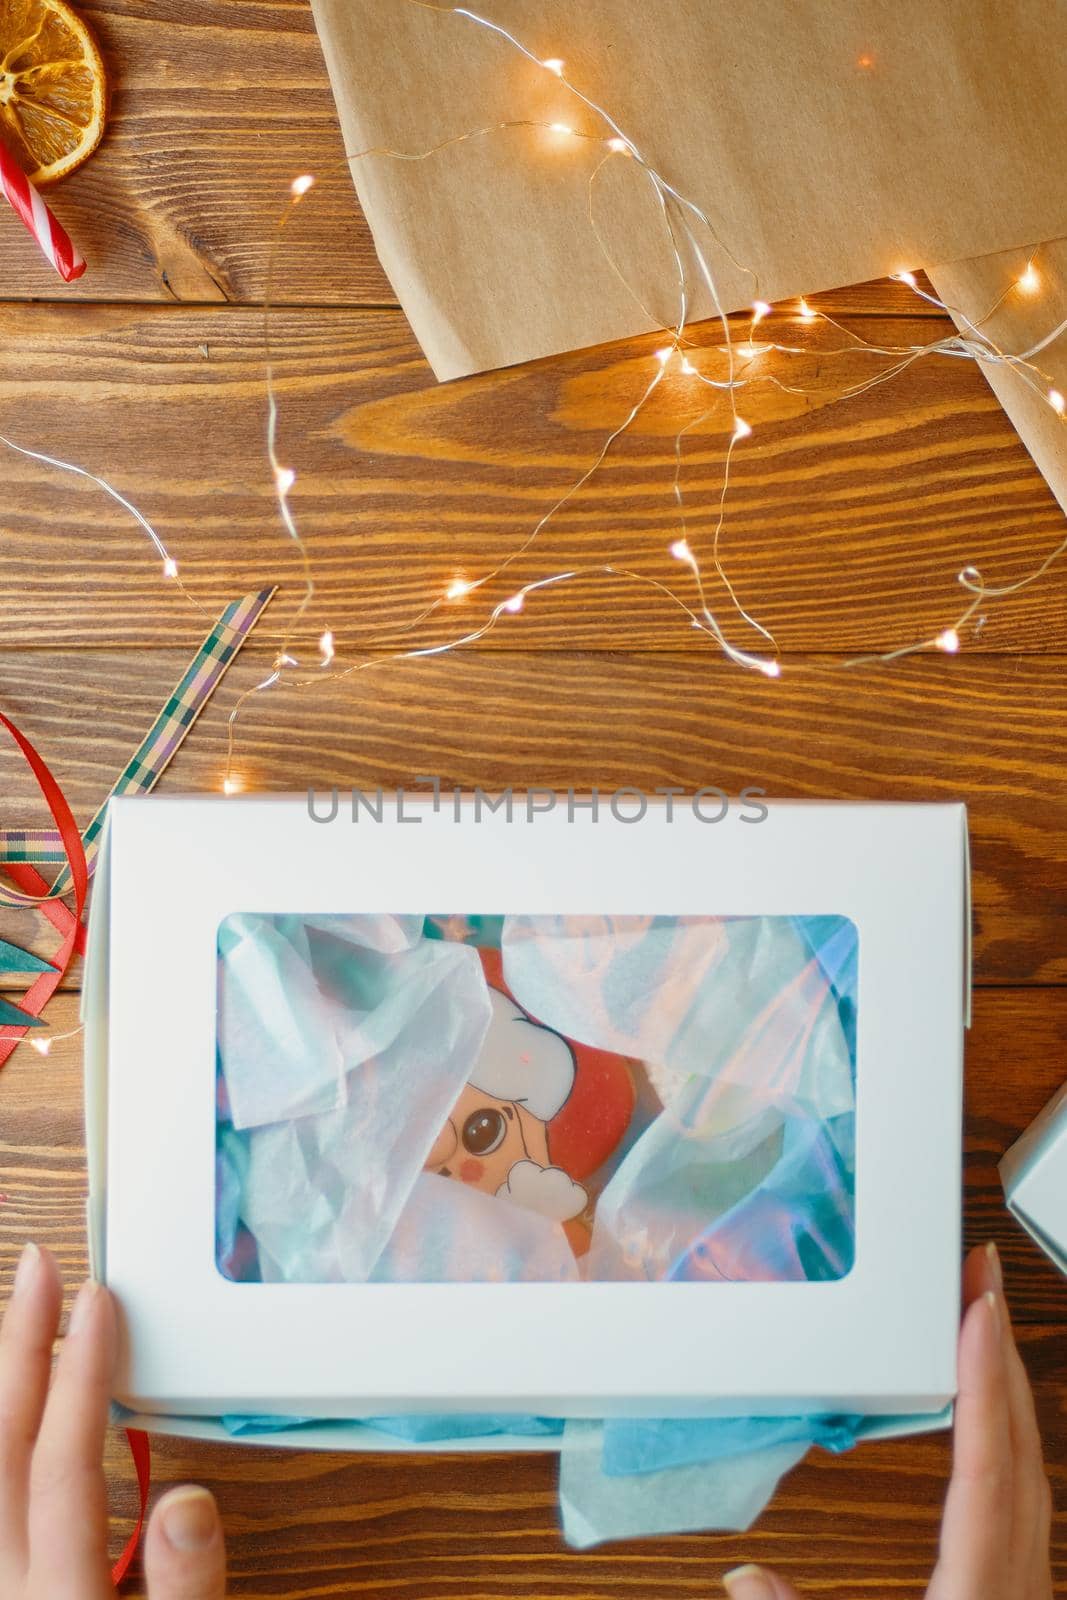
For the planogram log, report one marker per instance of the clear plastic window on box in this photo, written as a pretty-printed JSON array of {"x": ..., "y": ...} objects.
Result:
[{"x": 465, "y": 1098}]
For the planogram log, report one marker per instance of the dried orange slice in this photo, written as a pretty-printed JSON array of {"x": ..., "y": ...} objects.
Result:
[{"x": 52, "y": 88}]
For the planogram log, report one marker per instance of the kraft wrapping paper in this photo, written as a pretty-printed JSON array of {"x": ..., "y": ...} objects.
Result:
[
  {"x": 829, "y": 141},
  {"x": 1021, "y": 320}
]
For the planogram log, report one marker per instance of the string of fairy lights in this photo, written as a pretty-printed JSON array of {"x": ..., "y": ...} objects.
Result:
[
  {"x": 690, "y": 236},
  {"x": 681, "y": 216}
]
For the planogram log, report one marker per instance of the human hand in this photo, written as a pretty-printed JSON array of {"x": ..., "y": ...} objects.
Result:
[
  {"x": 996, "y": 1524},
  {"x": 53, "y": 1497}
]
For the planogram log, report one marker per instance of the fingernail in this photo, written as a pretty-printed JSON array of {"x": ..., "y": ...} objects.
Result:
[
  {"x": 82, "y": 1307},
  {"x": 992, "y": 1255},
  {"x": 189, "y": 1518},
  {"x": 748, "y": 1583},
  {"x": 993, "y": 1301},
  {"x": 26, "y": 1268}
]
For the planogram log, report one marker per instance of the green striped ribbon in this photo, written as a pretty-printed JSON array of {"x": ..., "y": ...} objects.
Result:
[{"x": 42, "y": 846}]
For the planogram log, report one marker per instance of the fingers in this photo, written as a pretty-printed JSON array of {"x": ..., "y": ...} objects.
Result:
[
  {"x": 185, "y": 1558},
  {"x": 26, "y": 1340},
  {"x": 976, "y": 1531},
  {"x": 981, "y": 1272},
  {"x": 757, "y": 1583},
  {"x": 1032, "y": 1499},
  {"x": 68, "y": 1494},
  {"x": 998, "y": 1509}
]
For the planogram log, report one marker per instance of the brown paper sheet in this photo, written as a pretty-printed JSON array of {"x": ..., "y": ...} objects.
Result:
[
  {"x": 829, "y": 141},
  {"x": 1020, "y": 321}
]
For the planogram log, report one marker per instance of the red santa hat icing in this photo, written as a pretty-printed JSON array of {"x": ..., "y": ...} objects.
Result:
[{"x": 586, "y": 1095}]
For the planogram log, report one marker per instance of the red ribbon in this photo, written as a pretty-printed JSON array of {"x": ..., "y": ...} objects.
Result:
[
  {"x": 69, "y": 924},
  {"x": 142, "y": 1460},
  {"x": 29, "y": 879},
  {"x": 59, "y": 914}
]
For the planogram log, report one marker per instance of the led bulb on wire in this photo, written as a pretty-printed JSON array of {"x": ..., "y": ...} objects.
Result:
[
  {"x": 170, "y": 568},
  {"x": 42, "y": 1046},
  {"x": 609, "y": 138}
]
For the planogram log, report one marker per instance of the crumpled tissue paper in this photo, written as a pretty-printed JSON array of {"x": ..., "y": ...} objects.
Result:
[
  {"x": 748, "y": 1171},
  {"x": 321, "y": 1190},
  {"x": 724, "y": 1495}
]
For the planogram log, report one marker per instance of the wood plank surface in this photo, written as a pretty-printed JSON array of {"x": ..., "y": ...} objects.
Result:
[
  {"x": 973, "y": 728},
  {"x": 847, "y": 524},
  {"x": 215, "y": 108},
  {"x": 304, "y": 1523}
]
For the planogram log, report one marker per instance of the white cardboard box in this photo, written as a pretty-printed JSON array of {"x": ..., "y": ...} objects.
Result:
[
  {"x": 1034, "y": 1175},
  {"x": 880, "y": 1340}
]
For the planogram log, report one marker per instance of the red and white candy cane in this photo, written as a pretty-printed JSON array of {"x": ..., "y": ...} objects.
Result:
[{"x": 27, "y": 204}]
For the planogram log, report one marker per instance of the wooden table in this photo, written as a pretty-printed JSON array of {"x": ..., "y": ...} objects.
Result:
[{"x": 847, "y": 526}]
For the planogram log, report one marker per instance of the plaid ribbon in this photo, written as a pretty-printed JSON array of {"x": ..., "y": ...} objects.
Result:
[
  {"x": 38, "y": 846},
  {"x": 42, "y": 846}
]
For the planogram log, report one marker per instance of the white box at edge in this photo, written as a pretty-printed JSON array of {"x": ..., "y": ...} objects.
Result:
[
  {"x": 880, "y": 1341},
  {"x": 1034, "y": 1175}
]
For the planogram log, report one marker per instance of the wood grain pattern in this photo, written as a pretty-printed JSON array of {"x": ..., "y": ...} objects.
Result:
[
  {"x": 974, "y": 728},
  {"x": 847, "y": 525},
  {"x": 215, "y": 109},
  {"x": 336, "y": 1525}
]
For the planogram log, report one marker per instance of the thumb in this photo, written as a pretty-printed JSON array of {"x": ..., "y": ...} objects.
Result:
[
  {"x": 755, "y": 1583},
  {"x": 185, "y": 1558}
]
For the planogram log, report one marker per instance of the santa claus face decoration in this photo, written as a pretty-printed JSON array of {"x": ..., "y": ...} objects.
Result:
[{"x": 496, "y": 1137}]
